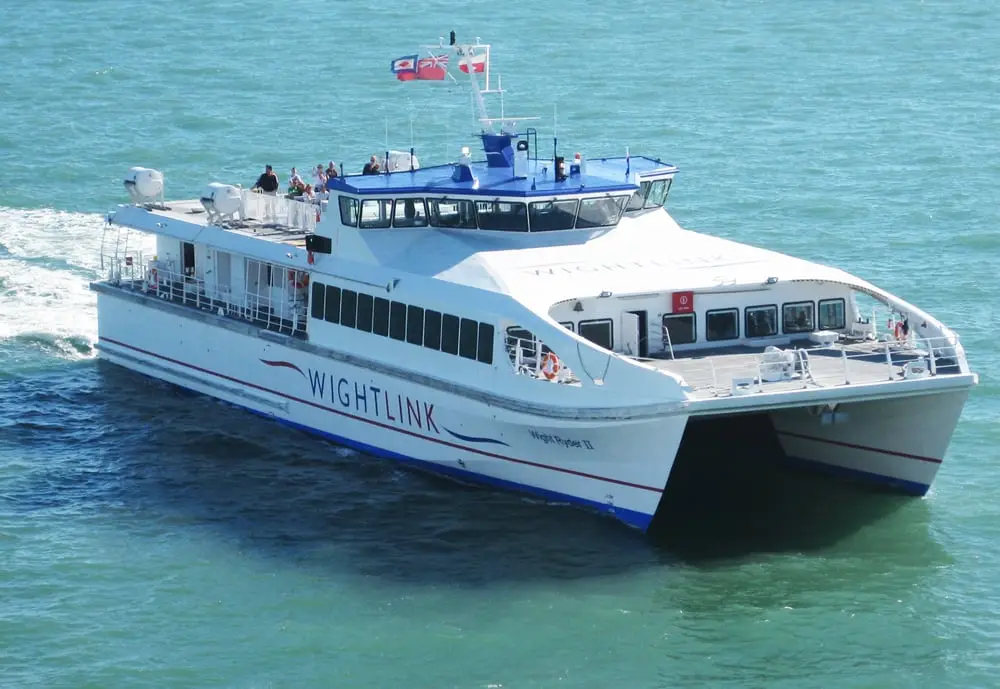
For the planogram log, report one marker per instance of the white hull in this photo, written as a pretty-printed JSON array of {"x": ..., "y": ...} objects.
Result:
[
  {"x": 618, "y": 467},
  {"x": 900, "y": 441}
]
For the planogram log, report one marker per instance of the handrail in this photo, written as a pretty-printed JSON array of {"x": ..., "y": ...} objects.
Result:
[{"x": 526, "y": 356}]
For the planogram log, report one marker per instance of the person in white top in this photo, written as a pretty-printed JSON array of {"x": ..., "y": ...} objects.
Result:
[{"x": 319, "y": 178}]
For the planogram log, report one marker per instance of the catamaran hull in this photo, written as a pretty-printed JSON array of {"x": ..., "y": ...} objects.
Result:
[
  {"x": 899, "y": 441},
  {"x": 618, "y": 467}
]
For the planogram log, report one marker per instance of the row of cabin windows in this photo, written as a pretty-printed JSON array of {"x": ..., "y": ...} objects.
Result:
[
  {"x": 507, "y": 216},
  {"x": 758, "y": 321},
  {"x": 650, "y": 195},
  {"x": 404, "y": 322}
]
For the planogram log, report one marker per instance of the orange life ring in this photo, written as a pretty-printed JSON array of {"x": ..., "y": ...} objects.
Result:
[
  {"x": 899, "y": 330},
  {"x": 550, "y": 365}
]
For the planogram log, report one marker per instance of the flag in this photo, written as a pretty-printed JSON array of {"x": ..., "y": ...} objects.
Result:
[
  {"x": 433, "y": 68},
  {"x": 478, "y": 63},
  {"x": 404, "y": 67}
]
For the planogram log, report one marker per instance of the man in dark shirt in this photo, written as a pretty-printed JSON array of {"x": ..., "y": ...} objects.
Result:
[
  {"x": 267, "y": 182},
  {"x": 371, "y": 167},
  {"x": 331, "y": 170}
]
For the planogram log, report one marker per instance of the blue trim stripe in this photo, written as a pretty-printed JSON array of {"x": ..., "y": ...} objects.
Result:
[
  {"x": 474, "y": 439},
  {"x": 910, "y": 487},
  {"x": 633, "y": 518}
]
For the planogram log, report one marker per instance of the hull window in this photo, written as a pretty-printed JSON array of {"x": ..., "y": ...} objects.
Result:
[
  {"x": 410, "y": 213},
  {"x": 468, "y": 338},
  {"x": 449, "y": 333},
  {"x": 375, "y": 214},
  {"x": 397, "y": 321},
  {"x": 832, "y": 315},
  {"x": 365, "y": 312},
  {"x": 457, "y": 214},
  {"x": 348, "y": 211},
  {"x": 546, "y": 216},
  {"x": 602, "y": 212},
  {"x": 504, "y": 216},
  {"x": 318, "y": 301},
  {"x": 600, "y": 332},
  {"x": 797, "y": 317},
  {"x": 332, "y": 304},
  {"x": 415, "y": 325},
  {"x": 432, "y": 329},
  {"x": 761, "y": 321},
  {"x": 723, "y": 324},
  {"x": 486, "y": 337},
  {"x": 349, "y": 308},
  {"x": 679, "y": 329},
  {"x": 380, "y": 317}
]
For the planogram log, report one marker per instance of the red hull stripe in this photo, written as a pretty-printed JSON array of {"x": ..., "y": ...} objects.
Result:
[
  {"x": 382, "y": 425},
  {"x": 852, "y": 446}
]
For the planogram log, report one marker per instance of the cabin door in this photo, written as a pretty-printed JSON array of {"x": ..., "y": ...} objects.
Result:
[
  {"x": 629, "y": 334},
  {"x": 187, "y": 259}
]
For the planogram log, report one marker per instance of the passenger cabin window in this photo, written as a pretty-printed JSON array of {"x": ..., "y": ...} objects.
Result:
[
  {"x": 376, "y": 214},
  {"x": 348, "y": 211},
  {"x": 679, "y": 328},
  {"x": 602, "y": 212},
  {"x": 600, "y": 332},
  {"x": 410, "y": 213},
  {"x": 722, "y": 324},
  {"x": 797, "y": 317},
  {"x": 502, "y": 215},
  {"x": 638, "y": 198},
  {"x": 657, "y": 194},
  {"x": 414, "y": 325},
  {"x": 761, "y": 321},
  {"x": 547, "y": 216},
  {"x": 457, "y": 214},
  {"x": 832, "y": 314}
]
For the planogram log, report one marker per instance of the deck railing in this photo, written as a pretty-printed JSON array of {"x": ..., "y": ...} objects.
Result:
[
  {"x": 528, "y": 356},
  {"x": 822, "y": 366},
  {"x": 279, "y": 210},
  {"x": 282, "y": 309}
]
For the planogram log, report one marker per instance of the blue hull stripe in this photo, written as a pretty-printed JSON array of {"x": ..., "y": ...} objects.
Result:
[
  {"x": 911, "y": 487},
  {"x": 474, "y": 439},
  {"x": 630, "y": 517}
]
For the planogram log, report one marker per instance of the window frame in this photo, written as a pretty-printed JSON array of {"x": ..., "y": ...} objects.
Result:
[
  {"x": 746, "y": 320},
  {"x": 843, "y": 313},
  {"x": 487, "y": 336},
  {"x": 380, "y": 316},
  {"x": 621, "y": 200},
  {"x": 356, "y": 208},
  {"x": 796, "y": 330},
  {"x": 468, "y": 328},
  {"x": 497, "y": 202},
  {"x": 433, "y": 215},
  {"x": 736, "y": 319},
  {"x": 694, "y": 328},
  {"x": 343, "y": 302},
  {"x": 317, "y": 301},
  {"x": 422, "y": 202},
  {"x": 380, "y": 225},
  {"x": 428, "y": 343},
  {"x": 331, "y": 304},
  {"x": 532, "y": 212},
  {"x": 447, "y": 318},
  {"x": 415, "y": 325},
  {"x": 397, "y": 331},
  {"x": 593, "y": 321},
  {"x": 365, "y": 317}
]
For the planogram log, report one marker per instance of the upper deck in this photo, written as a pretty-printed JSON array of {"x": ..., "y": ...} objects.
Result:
[{"x": 535, "y": 178}]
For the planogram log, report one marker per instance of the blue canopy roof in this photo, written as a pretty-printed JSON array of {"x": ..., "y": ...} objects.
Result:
[{"x": 603, "y": 175}]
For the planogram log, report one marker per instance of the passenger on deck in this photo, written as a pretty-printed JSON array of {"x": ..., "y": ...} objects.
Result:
[
  {"x": 296, "y": 185},
  {"x": 331, "y": 171},
  {"x": 371, "y": 167},
  {"x": 267, "y": 182},
  {"x": 319, "y": 178}
]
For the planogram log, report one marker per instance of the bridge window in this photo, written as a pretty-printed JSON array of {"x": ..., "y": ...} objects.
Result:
[
  {"x": 657, "y": 194},
  {"x": 638, "y": 198},
  {"x": 348, "y": 211},
  {"x": 375, "y": 214},
  {"x": 553, "y": 215},
  {"x": 722, "y": 324},
  {"x": 797, "y": 317},
  {"x": 761, "y": 321},
  {"x": 502, "y": 215},
  {"x": 410, "y": 213},
  {"x": 600, "y": 332},
  {"x": 458, "y": 214},
  {"x": 602, "y": 212},
  {"x": 831, "y": 314},
  {"x": 679, "y": 328}
]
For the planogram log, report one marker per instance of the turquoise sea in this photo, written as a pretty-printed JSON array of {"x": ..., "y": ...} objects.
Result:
[{"x": 152, "y": 538}]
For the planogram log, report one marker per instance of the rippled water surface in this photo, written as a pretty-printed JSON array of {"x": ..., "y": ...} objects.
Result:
[{"x": 149, "y": 537}]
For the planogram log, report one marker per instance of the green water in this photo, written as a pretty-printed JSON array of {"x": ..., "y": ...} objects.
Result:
[{"x": 153, "y": 538}]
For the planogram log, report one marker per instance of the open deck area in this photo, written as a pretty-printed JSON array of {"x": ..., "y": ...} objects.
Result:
[{"x": 805, "y": 365}]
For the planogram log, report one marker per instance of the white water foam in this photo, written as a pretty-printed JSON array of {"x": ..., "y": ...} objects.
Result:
[{"x": 47, "y": 260}]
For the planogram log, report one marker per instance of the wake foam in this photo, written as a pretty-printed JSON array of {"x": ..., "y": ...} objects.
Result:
[{"x": 47, "y": 260}]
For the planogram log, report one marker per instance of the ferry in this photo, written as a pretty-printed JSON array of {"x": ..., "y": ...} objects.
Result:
[{"x": 529, "y": 320}]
